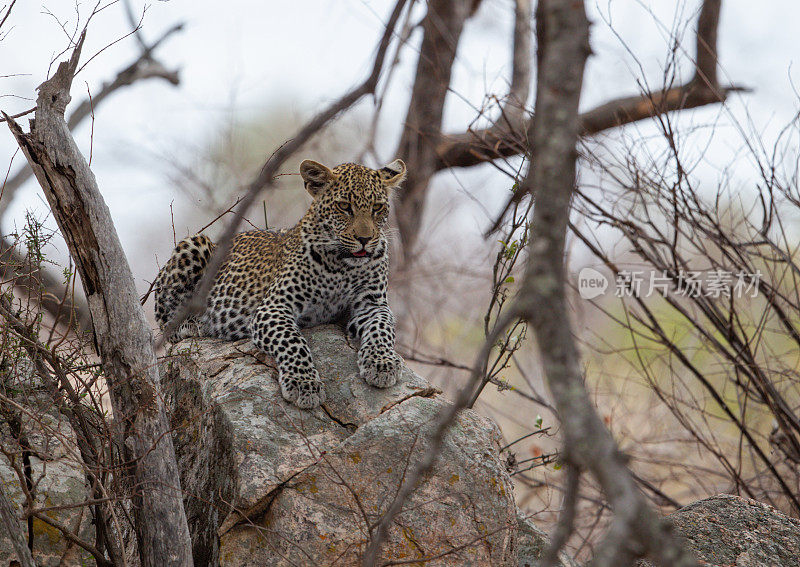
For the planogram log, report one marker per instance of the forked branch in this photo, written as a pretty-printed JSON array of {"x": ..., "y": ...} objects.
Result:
[{"x": 474, "y": 147}]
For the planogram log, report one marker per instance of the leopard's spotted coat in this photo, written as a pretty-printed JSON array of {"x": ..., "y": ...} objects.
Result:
[{"x": 332, "y": 264}]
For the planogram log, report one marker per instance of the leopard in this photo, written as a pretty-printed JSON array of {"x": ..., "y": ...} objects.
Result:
[{"x": 332, "y": 266}]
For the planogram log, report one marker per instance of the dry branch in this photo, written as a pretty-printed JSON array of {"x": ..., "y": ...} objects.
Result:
[
  {"x": 271, "y": 167},
  {"x": 68, "y": 402},
  {"x": 474, "y": 147},
  {"x": 507, "y": 136},
  {"x": 439, "y": 428},
  {"x": 8, "y": 12},
  {"x": 72, "y": 538},
  {"x": 122, "y": 336},
  {"x": 144, "y": 67},
  {"x": 562, "y": 32},
  {"x": 480, "y": 146}
]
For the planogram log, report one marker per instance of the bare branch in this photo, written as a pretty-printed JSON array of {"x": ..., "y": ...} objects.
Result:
[
  {"x": 144, "y": 67},
  {"x": 67, "y": 533},
  {"x": 474, "y": 147},
  {"x": 134, "y": 23},
  {"x": 501, "y": 138},
  {"x": 441, "y": 425},
  {"x": 20, "y": 114},
  {"x": 68, "y": 402},
  {"x": 631, "y": 109},
  {"x": 562, "y": 31},
  {"x": 8, "y": 13},
  {"x": 566, "y": 519},
  {"x": 521, "y": 61}
]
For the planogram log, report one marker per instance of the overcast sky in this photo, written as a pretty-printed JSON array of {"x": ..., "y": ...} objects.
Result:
[{"x": 242, "y": 57}]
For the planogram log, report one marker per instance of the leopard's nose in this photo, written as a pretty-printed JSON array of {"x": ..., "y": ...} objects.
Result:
[{"x": 363, "y": 240}]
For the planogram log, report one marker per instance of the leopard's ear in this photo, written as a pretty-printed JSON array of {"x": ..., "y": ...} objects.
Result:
[
  {"x": 316, "y": 177},
  {"x": 393, "y": 174}
]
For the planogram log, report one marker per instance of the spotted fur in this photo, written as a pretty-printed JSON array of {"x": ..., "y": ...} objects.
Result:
[{"x": 333, "y": 264}]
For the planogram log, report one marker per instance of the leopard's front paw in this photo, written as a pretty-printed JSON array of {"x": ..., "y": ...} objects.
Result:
[
  {"x": 305, "y": 390},
  {"x": 379, "y": 368},
  {"x": 188, "y": 329}
]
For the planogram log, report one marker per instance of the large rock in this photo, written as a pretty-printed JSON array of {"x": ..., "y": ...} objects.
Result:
[
  {"x": 729, "y": 531},
  {"x": 270, "y": 484}
]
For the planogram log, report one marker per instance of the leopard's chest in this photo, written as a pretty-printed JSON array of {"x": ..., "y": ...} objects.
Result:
[{"x": 326, "y": 296}]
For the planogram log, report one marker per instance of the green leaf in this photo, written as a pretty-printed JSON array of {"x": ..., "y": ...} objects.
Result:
[
  {"x": 510, "y": 279},
  {"x": 539, "y": 421}
]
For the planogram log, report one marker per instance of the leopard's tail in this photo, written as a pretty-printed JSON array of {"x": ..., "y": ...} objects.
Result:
[{"x": 177, "y": 280}]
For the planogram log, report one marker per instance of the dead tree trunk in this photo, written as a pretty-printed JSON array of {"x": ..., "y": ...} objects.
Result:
[{"x": 122, "y": 336}]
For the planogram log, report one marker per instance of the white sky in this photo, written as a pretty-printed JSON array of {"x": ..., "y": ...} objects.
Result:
[{"x": 240, "y": 57}]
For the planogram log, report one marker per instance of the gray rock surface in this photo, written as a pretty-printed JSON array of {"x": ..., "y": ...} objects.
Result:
[
  {"x": 269, "y": 484},
  {"x": 729, "y": 531},
  {"x": 284, "y": 486}
]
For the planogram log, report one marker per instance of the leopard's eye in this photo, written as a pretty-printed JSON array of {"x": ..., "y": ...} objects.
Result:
[
  {"x": 378, "y": 207},
  {"x": 344, "y": 206}
]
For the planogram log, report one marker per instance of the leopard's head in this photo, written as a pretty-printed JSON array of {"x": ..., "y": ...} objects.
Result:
[{"x": 351, "y": 204}]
